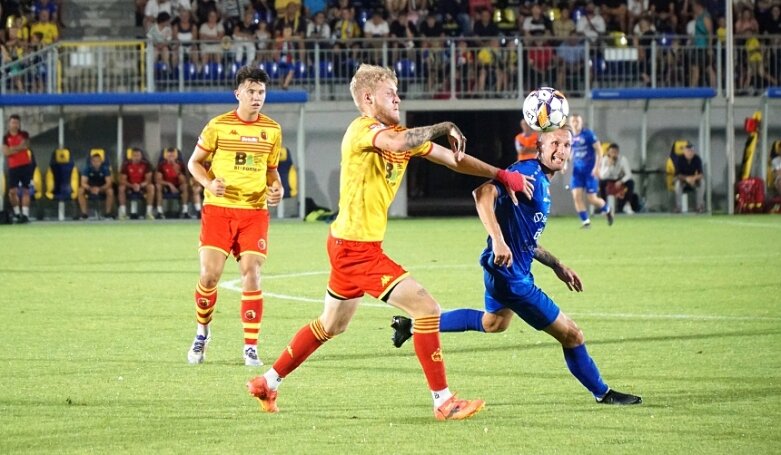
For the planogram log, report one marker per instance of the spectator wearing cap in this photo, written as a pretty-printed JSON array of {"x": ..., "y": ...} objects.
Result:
[{"x": 689, "y": 177}]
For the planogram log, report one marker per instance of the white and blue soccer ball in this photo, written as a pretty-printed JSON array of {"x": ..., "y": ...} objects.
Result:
[{"x": 545, "y": 109}]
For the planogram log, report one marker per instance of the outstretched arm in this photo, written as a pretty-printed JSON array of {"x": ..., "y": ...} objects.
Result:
[
  {"x": 470, "y": 165},
  {"x": 485, "y": 196},
  {"x": 565, "y": 274},
  {"x": 399, "y": 141}
]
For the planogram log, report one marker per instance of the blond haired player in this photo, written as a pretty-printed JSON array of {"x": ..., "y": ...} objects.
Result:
[
  {"x": 375, "y": 154},
  {"x": 243, "y": 146}
]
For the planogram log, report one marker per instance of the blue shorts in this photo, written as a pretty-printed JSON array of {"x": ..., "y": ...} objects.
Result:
[
  {"x": 584, "y": 179},
  {"x": 523, "y": 297}
]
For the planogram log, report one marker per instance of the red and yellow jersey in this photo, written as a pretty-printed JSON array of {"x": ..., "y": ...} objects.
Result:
[
  {"x": 242, "y": 152},
  {"x": 369, "y": 180}
]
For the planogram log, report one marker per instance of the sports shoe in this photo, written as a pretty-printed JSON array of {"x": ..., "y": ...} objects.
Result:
[
  {"x": 586, "y": 225},
  {"x": 159, "y": 216},
  {"x": 197, "y": 352},
  {"x": 251, "y": 357},
  {"x": 455, "y": 409},
  {"x": 610, "y": 217},
  {"x": 150, "y": 216},
  {"x": 123, "y": 216},
  {"x": 258, "y": 388},
  {"x": 402, "y": 330},
  {"x": 616, "y": 397}
]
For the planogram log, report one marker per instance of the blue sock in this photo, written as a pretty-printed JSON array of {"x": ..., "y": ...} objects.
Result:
[
  {"x": 582, "y": 366},
  {"x": 461, "y": 321},
  {"x": 583, "y": 216},
  {"x": 605, "y": 208}
]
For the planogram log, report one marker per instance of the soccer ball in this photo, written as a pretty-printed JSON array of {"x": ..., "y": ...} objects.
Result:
[{"x": 545, "y": 109}]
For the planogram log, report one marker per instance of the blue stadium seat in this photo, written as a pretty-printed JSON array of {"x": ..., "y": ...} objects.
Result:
[
  {"x": 405, "y": 69},
  {"x": 213, "y": 71},
  {"x": 190, "y": 71},
  {"x": 62, "y": 177},
  {"x": 326, "y": 69}
]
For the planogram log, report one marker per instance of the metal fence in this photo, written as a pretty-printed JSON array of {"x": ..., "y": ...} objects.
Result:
[{"x": 426, "y": 68}]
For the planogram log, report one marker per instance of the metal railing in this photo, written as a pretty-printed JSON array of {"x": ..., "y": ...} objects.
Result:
[{"x": 426, "y": 68}]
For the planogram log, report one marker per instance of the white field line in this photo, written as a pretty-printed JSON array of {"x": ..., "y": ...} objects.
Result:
[
  {"x": 776, "y": 225},
  {"x": 235, "y": 285}
]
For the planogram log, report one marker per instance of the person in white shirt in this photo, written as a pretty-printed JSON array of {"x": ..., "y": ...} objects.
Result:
[
  {"x": 615, "y": 179},
  {"x": 154, "y": 7},
  {"x": 591, "y": 24},
  {"x": 161, "y": 35}
]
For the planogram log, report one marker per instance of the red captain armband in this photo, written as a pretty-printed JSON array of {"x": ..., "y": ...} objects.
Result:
[{"x": 513, "y": 180}]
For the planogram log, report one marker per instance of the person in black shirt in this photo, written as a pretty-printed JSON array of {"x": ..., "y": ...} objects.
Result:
[{"x": 689, "y": 177}]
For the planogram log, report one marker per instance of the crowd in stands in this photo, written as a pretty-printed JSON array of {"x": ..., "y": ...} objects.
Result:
[
  {"x": 553, "y": 33},
  {"x": 558, "y": 37}
]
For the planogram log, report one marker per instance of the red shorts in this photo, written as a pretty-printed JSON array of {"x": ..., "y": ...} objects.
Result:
[
  {"x": 237, "y": 231},
  {"x": 361, "y": 267}
]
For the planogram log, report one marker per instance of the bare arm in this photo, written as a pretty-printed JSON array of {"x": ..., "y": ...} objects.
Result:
[
  {"x": 597, "y": 159},
  {"x": 472, "y": 166},
  {"x": 275, "y": 189},
  {"x": 399, "y": 141},
  {"x": 485, "y": 196},
  {"x": 198, "y": 171},
  {"x": 8, "y": 150},
  {"x": 565, "y": 274}
]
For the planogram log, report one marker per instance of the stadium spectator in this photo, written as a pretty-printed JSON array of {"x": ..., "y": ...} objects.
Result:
[
  {"x": 376, "y": 27},
  {"x": 431, "y": 27},
  {"x": 284, "y": 55},
  {"x": 643, "y": 39},
  {"x": 395, "y": 7},
  {"x": 689, "y": 178},
  {"x": 201, "y": 9},
  {"x": 702, "y": 52},
  {"x": 135, "y": 180},
  {"x": 211, "y": 33},
  {"x": 615, "y": 179},
  {"x": 21, "y": 167},
  {"x": 244, "y": 48},
  {"x": 563, "y": 27},
  {"x": 405, "y": 32},
  {"x": 239, "y": 188},
  {"x": 591, "y": 24},
  {"x": 171, "y": 179},
  {"x": 457, "y": 10},
  {"x": 96, "y": 183},
  {"x": 161, "y": 37},
  {"x": 312, "y": 7},
  {"x": 542, "y": 63},
  {"x": 14, "y": 50},
  {"x": 318, "y": 29},
  {"x": 570, "y": 55},
  {"x": 491, "y": 69},
  {"x": 346, "y": 28},
  {"x": 485, "y": 27},
  {"x": 47, "y": 5},
  {"x": 232, "y": 13},
  {"x": 264, "y": 12},
  {"x": 536, "y": 24},
  {"x": 513, "y": 232},
  {"x": 140, "y": 7},
  {"x": 526, "y": 142},
  {"x": 185, "y": 33},
  {"x": 616, "y": 15},
  {"x": 586, "y": 152},
  {"x": 358, "y": 263},
  {"x": 153, "y": 9},
  {"x": 263, "y": 41},
  {"x": 46, "y": 27}
]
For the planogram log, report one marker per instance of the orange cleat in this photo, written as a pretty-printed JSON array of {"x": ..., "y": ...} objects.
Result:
[
  {"x": 455, "y": 409},
  {"x": 267, "y": 398}
]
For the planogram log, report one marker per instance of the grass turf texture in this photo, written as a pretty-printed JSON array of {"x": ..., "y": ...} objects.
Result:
[{"x": 97, "y": 319}]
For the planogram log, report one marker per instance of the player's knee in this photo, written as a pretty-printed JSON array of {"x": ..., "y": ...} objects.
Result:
[
  {"x": 495, "y": 325},
  {"x": 574, "y": 337}
]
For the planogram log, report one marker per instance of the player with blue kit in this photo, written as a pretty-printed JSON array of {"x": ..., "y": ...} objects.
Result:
[
  {"x": 514, "y": 226},
  {"x": 586, "y": 153}
]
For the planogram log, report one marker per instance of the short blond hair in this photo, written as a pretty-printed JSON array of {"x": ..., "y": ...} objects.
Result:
[{"x": 366, "y": 79}]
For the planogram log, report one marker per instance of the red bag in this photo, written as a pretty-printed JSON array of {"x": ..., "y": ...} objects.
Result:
[{"x": 750, "y": 196}]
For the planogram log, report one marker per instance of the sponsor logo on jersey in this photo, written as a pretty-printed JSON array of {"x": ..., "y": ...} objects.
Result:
[{"x": 249, "y": 139}]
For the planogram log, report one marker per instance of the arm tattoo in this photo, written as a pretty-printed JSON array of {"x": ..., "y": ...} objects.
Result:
[
  {"x": 545, "y": 257},
  {"x": 417, "y": 136}
]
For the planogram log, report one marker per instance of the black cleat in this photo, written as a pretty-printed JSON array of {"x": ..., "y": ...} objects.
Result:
[
  {"x": 616, "y": 397},
  {"x": 402, "y": 330},
  {"x": 610, "y": 217}
]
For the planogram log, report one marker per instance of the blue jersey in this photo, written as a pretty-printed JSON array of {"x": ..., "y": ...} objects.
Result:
[
  {"x": 521, "y": 224},
  {"x": 583, "y": 156}
]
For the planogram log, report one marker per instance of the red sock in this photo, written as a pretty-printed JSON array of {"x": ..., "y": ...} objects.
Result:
[
  {"x": 205, "y": 299},
  {"x": 425, "y": 337},
  {"x": 303, "y": 344},
  {"x": 251, "y": 315}
]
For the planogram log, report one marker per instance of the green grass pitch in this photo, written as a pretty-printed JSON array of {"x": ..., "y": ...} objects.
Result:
[{"x": 97, "y": 319}]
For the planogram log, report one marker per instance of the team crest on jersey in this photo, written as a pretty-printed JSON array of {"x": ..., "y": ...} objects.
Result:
[
  {"x": 250, "y": 314},
  {"x": 262, "y": 244},
  {"x": 263, "y": 135},
  {"x": 203, "y": 303},
  {"x": 436, "y": 356},
  {"x": 249, "y": 139}
]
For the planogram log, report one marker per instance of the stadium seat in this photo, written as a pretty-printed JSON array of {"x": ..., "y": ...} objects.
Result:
[
  {"x": 406, "y": 69},
  {"x": 189, "y": 71},
  {"x": 326, "y": 69},
  {"x": 213, "y": 71},
  {"x": 62, "y": 180},
  {"x": 675, "y": 152}
]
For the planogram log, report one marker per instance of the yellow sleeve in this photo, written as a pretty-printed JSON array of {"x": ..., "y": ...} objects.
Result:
[
  {"x": 207, "y": 141},
  {"x": 273, "y": 157}
]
